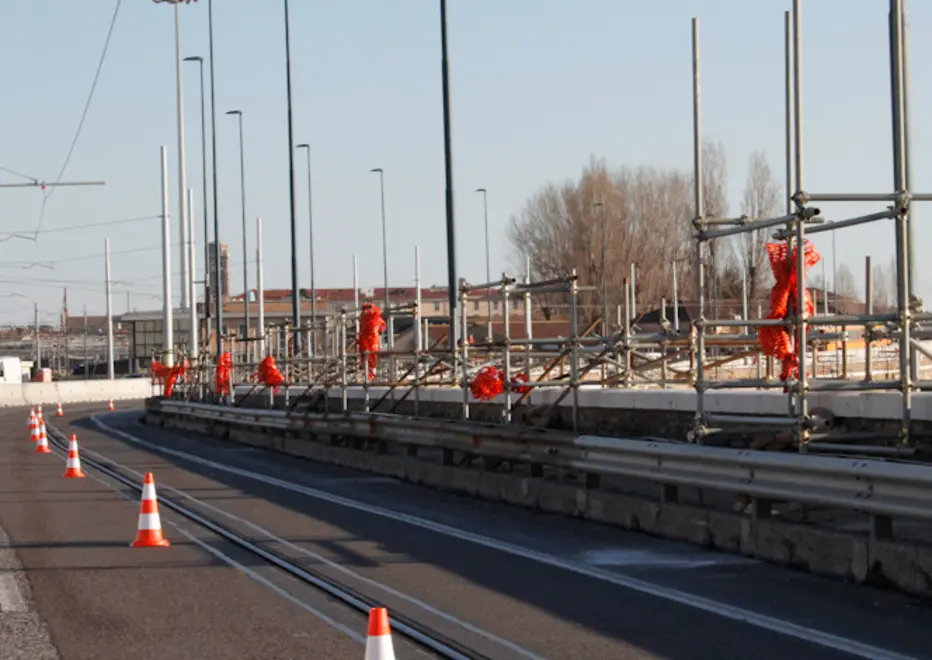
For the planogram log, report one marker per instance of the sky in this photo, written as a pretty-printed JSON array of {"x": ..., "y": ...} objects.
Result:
[{"x": 537, "y": 88}]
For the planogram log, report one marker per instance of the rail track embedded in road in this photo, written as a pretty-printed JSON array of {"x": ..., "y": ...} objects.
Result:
[{"x": 419, "y": 634}]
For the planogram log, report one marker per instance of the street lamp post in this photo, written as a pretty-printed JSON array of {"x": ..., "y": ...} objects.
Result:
[
  {"x": 310, "y": 222},
  {"x": 242, "y": 180},
  {"x": 488, "y": 268},
  {"x": 448, "y": 175},
  {"x": 295, "y": 293},
  {"x": 200, "y": 61}
]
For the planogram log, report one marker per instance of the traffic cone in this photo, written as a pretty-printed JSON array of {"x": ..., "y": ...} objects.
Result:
[
  {"x": 32, "y": 417},
  {"x": 149, "y": 529},
  {"x": 59, "y": 413},
  {"x": 73, "y": 465},
  {"x": 39, "y": 412},
  {"x": 43, "y": 446},
  {"x": 34, "y": 429},
  {"x": 110, "y": 404},
  {"x": 379, "y": 643}
]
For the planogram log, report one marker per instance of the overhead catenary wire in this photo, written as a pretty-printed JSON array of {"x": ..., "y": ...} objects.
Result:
[{"x": 87, "y": 105}]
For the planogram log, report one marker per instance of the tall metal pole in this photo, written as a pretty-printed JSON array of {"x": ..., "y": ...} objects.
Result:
[
  {"x": 310, "y": 224},
  {"x": 356, "y": 293},
  {"x": 213, "y": 139},
  {"x": 699, "y": 212},
  {"x": 384, "y": 236},
  {"x": 488, "y": 257},
  {"x": 601, "y": 207},
  {"x": 194, "y": 342},
  {"x": 38, "y": 368},
  {"x": 260, "y": 331},
  {"x": 168, "y": 342},
  {"x": 182, "y": 183},
  {"x": 295, "y": 293},
  {"x": 110, "y": 369},
  {"x": 200, "y": 61},
  {"x": 86, "y": 372},
  {"x": 452, "y": 292},
  {"x": 242, "y": 187},
  {"x": 788, "y": 100}
]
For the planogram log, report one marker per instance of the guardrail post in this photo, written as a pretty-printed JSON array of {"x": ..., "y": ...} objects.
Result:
[
  {"x": 881, "y": 528},
  {"x": 761, "y": 508},
  {"x": 592, "y": 480},
  {"x": 669, "y": 494}
]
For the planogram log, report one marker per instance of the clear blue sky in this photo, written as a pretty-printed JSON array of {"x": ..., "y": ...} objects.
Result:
[{"x": 537, "y": 87}]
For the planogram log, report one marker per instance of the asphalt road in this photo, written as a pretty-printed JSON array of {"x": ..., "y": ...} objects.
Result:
[{"x": 504, "y": 581}]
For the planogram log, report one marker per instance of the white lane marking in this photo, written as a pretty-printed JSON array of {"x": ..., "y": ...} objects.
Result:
[
  {"x": 735, "y": 613},
  {"x": 636, "y": 557},
  {"x": 352, "y": 634},
  {"x": 338, "y": 567},
  {"x": 11, "y": 598}
]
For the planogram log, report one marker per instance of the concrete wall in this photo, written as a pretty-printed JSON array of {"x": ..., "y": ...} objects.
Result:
[{"x": 77, "y": 391}]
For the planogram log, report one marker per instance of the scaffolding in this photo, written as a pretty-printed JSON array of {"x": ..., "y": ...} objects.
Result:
[
  {"x": 809, "y": 428},
  {"x": 629, "y": 355}
]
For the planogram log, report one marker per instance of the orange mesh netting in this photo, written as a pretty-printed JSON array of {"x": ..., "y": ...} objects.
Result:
[
  {"x": 169, "y": 375},
  {"x": 268, "y": 374},
  {"x": 490, "y": 382},
  {"x": 520, "y": 378},
  {"x": 777, "y": 340},
  {"x": 224, "y": 372},
  {"x": 371, "y": 325}
]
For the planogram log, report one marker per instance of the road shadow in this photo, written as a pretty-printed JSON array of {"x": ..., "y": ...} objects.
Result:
[{"x": 630, "y": 617}]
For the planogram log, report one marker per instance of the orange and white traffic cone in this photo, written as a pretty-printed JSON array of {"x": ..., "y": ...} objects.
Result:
[
  {"x": 39, "y": 412},
  {"x": 149, "y": 530},
  {"x": 73, "y": 465},
  {"x": 379, "y": 643},
  {"x": 43, "y": 446},
  {"x": 110, "y": 404},
  {"x": 32, "y": 417},
  {"x": 34, "y": 429},
  {"x": 59, "y": 413}
]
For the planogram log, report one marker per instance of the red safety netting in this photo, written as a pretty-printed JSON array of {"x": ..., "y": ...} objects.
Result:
[
  {"x": 490, "y": 382},
  {"x": 168, "y": 375},
  {"x": 777, "y": 340},
  {"x": 268, "y": 374},
  {"x": 224, "y": 373},
  {"x": 371, "y": 325}
]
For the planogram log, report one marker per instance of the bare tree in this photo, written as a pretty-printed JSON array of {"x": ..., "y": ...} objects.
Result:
[
  {"x": 762, "y": 199},
  {"x": 715, "y": 201},
  {"x": 646, "y": 215},
  {"x": 845, "y": 287},
  {"x": 883, "y": 293}
]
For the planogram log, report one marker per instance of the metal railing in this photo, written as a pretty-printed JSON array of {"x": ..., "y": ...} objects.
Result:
[{"x": 880, "y": 488}]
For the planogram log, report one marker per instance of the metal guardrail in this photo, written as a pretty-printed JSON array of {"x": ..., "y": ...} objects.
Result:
[{"x": 876, "y": 487}]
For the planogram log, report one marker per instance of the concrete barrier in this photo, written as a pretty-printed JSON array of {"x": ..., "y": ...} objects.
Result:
[
  {"x": 836, "y": 544},
  {"x": 74, "y": 391}
]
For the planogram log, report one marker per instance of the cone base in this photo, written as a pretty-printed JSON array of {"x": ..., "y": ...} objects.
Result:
[
  {"x": 43, "y": 450},
  {"x": 147, "y": 540},
  {"x": 74, "y": 474}
]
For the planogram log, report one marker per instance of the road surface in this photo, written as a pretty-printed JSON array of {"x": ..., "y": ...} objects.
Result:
[{"x": 500, "y": 581}]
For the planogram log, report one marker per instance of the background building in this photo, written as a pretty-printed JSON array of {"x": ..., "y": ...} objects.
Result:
[{"x": 224, "y": 268}]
